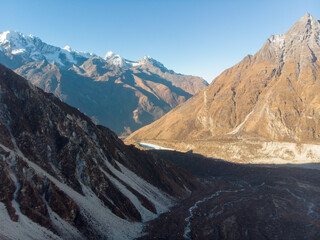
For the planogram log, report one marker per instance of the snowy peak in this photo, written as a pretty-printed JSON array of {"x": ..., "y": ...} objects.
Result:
[
  {"x": 301, "y": 42},
  {"x": 150, "y": 60},
  {"x": 112, "y": 56},
  {"x": 31, "y": 48},
  {"x": 308, "y": 19},
  {"x": 305, "y": 26},
  {"x": 109, "y": 55},
  {"x": 8, "y": 35},
  {"x": 15, "y": 37},
  {"x": 302, "y": 30},
  {"x": 17, "y": 42},
  {"x": 68, "y": 48},
  {"x": 117, "y": 60}
]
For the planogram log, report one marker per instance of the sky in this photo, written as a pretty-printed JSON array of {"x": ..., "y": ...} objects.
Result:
[{"x": 195, "y": 37}]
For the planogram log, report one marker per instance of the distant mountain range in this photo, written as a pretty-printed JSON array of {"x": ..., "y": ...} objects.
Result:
[
  {"x": 271, "y": 96},
  {"x": 121, "y": 94}
]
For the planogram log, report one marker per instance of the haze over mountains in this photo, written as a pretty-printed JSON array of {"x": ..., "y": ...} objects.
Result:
[
  {"x": 271, "y": 96},
  {"x": 121, "y": 94}
]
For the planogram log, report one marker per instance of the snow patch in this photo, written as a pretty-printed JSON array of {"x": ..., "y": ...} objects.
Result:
[
  {"x": 17, "y": 51},
  {"x": 23, "y": 229},
  {"x": 66, "y": 230},
  {"x": 154, "y": 146},
  {"x": 98, "y": 215},
  {"x": 160, "y": 200},
  {"x": 145, "y": 213}
]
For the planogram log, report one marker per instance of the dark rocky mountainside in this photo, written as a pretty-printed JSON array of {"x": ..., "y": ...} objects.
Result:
[
  {"x": 242, "y": 202},
  {"x": 115, "y": 92},
  {"x": 62, "y": 176}
]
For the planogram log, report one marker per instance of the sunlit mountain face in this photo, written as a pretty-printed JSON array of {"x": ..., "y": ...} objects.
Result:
[{"x": 265, "y": 109}]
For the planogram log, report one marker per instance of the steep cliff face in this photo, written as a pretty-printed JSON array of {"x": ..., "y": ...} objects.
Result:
[
  {"x": 273, "y": 95},
  {"x": 62, "y": 176}
]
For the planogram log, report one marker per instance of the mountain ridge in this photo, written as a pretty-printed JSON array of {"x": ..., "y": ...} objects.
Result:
[
  {"x": 270, "y": 96},
  {"x": 116, "y": 92},
  {"x": 16, "y": 43}
]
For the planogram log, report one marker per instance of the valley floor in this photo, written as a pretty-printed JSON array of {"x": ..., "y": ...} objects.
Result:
[
  {"x": 245, "y": 151},
  {"x": 242, "y": 202}
]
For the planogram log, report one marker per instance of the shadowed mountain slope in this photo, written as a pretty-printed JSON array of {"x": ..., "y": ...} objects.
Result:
[{"x": 63, "y": 177}]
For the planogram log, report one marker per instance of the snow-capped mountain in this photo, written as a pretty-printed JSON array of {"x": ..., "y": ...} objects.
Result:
[
  {"x": 117, "y": 60},
  {"x": 31, "y": 48},
  {"x": 144, "y": 62},
  {"x": 149, "y": 61},
  {"x": 99, "y": 87}
]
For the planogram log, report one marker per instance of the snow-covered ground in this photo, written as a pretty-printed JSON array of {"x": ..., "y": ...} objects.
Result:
[
  {"x": 23, "y": 229},
  {"x": 98, "y": 216},
  {"x": 154, "y": 146}
]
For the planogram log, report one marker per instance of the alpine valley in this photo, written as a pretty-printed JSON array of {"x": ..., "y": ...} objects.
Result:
[
  {"x": 188, "y": 175},
  {"x": 115, "y": 92},
  {"x": 63, "y": 177}
]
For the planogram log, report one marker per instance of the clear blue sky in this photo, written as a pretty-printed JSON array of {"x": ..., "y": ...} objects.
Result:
[{"x": 198, "y": 37}]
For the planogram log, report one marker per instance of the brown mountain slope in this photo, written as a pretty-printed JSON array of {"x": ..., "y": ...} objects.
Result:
[{"x": 273, "y": 95}]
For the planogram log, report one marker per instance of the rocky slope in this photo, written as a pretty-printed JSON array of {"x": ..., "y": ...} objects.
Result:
[
  {"x": 271, "y": 96},
  {"x": 121, "y": 94},
  {"x": 63, "y": 177}
]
